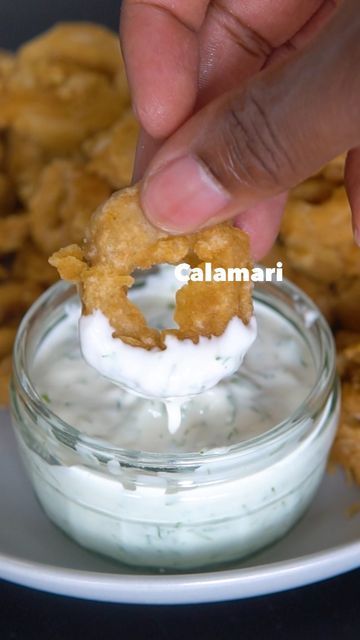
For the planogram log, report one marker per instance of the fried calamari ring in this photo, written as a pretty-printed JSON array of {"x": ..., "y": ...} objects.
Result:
[
  {"x": 322, "y": 250},
  {"x": 120, "y": 240},
  {"x": 5, "y": 374},
  {"x": 16, "y": 297},
  {"x": 31, "y": 261},
  {"x": 58, "y": 103},
  {"x": 346, "y": 447},
  {"x": 314, "y": 190},
  {"x": 7, "y": 63},
  {"x": 7, "y": 194},
  {"x": 214, "y": 323},
  {"x": 111, "y": 153},
  {"x": 62, "y": 203},
  {"x": 25, "y": 161},
  {"x": 7, "y": 337},
  {"x": 88, "y": 45},
  {"x": 334, "y": 171},
  {"x": 13, "y": 231},
  {"x": 347, "y": 303}
]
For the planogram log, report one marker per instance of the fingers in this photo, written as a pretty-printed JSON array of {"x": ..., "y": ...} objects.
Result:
[
  {"x": 237, "y": 38},
  {"x": 307, "y": 32},
  {"x": 262, "y": 223},
  {"x": 160, "y": 47},
  {"x": 352, "y": 183},
  {"x": 251, "y": 145},
  {"x": 146, "y": 148},
  {"x": 163, "y": 42},
  {"x": 183, "y": 195}
]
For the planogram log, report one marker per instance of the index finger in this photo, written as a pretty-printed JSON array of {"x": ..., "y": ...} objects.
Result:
[
  {"x": 240, "y": 36},
  {"x": 160, "y": 46}
]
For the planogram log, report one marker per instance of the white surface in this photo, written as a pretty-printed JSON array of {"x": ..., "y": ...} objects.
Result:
[{"x": 33, "y": 552}]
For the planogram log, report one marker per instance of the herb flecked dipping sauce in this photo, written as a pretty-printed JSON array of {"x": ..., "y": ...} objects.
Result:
[
  {"x": 275, "y": 377},
  {"x": 240, "y": 470}
]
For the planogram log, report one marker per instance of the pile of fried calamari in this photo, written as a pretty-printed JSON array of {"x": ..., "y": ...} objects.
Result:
[
  {"x": 67, "y": 141},
  {"x": 119, "y": 239},
  {"x": 319, "y": 254}
]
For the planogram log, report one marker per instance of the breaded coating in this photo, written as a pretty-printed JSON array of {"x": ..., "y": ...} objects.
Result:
[{"x": 120, "y": 239}]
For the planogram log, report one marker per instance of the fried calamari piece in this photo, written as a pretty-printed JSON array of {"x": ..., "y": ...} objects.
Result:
[
  {"x": 7, "y": 195},
  {"x": 347, "y": 302},
  {"x": 13, "y": 231},
  {"x": 86, "y": 44},
  {"x": 16, "y": 297},
  {"x": 7, "y": 63},
  {"x": 345, "y": 338},
  {"x": 314, "y": 190},
  {"x": 318, "y": 238},
  {"x": 320, "y": 187},
  {"x": 25, "y": 161},
  {"x": 62, "y": 204},
  {"x": 277, "y": 253},
  {"x": 7, "y": 337},
  {"x": 111, "y": 153},
  {"x": 64, "y": 86},
  {"x": 2, "y": 153},
  {"x": 103, "y": 287},
  {"x": 32, "y": 263},
  {"x": 112, "y": 296},
  {"x": 205, "y": 308},
  {"x": 5, "y": 375},
  {"x": 320, "y": 292},
  {"x": 334, "y": 171},
  {"x": 349, "y": 361},
  {"x": 120, "y": 236},
  {"x": 70, "y": 263},
  {"x": 58, "y": 104},
  {"x": 346, "y": 448},
  {"x": 120, "y": 239}
]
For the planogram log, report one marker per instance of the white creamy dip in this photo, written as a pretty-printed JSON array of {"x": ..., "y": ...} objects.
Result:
[
  {"x": 225, "y": 484},
  {"x": 274, "y": 379},
  {"x": 180, "y": 370}
]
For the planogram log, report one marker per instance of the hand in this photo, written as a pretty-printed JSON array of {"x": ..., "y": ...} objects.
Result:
[{"x": 257, "y": 140}]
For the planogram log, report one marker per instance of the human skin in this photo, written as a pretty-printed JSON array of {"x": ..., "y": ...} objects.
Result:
[{"x": 238, "y": 102}]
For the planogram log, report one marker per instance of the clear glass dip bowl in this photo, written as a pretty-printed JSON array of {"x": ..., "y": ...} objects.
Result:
[{"x": 180, "y": 510}]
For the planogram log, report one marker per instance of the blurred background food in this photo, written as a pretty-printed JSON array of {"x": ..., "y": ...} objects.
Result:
[
  {"x": 67, "y": 141},
  {"x": 317, "y": 249}
]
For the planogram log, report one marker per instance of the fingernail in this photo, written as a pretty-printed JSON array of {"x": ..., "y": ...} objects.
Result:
[{"x": 183, "y": 196}]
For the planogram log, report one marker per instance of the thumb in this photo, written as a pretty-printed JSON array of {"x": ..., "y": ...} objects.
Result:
[{"x": 255, "y": 143}]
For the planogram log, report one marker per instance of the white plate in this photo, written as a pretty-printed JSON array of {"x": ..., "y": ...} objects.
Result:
[{"x": 33, "y": 552}]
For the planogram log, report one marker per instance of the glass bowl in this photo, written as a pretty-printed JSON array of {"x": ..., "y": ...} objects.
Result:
[{"x": 181, "y": 510}]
